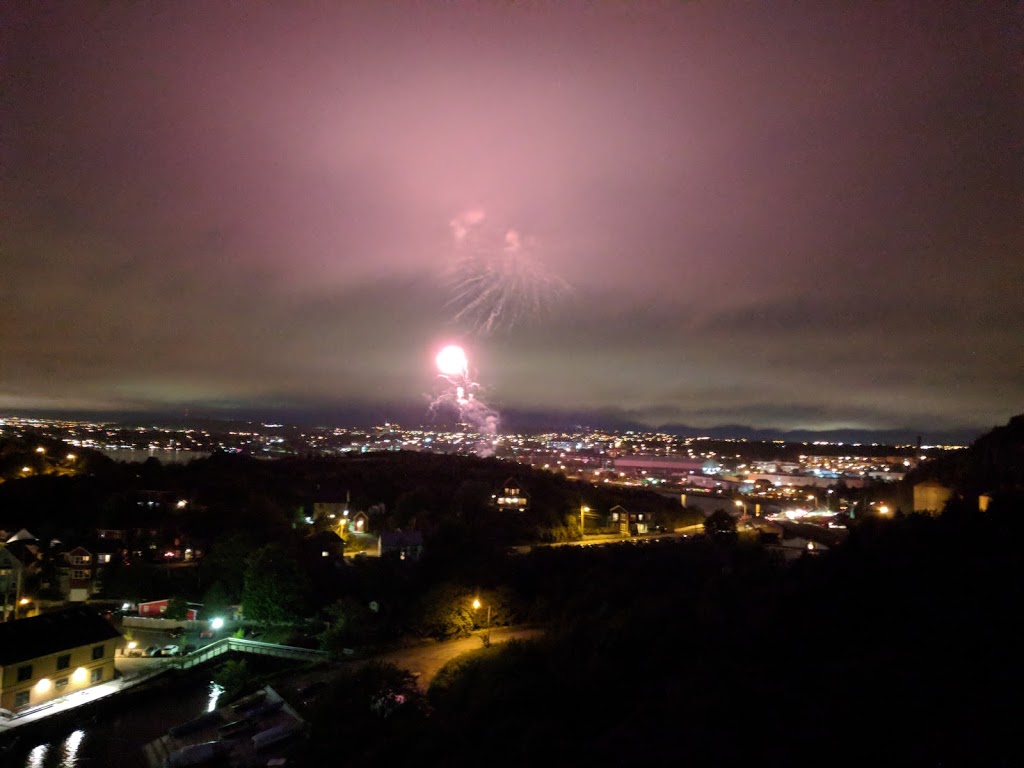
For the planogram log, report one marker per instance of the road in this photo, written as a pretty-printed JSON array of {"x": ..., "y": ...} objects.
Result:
[{"x": 597, "y": 540}]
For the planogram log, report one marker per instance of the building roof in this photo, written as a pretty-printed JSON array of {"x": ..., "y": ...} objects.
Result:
[
  {"x": 26, "y": 639},
  {"x": 401, "y": 539},
  {"x": 22, "y": 535}
]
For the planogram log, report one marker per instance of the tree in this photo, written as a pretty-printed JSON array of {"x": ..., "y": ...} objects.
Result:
[
  {"x": 216, "y": 601},
  {"x": 234, "y": 677},
  {"x": 720, "y": 523},
  {"x": 445, "y": 612},
  {"x": 276, "y": 590},
  {"x": 352, "y": 624},
  {"x": 177, "y": 609}
]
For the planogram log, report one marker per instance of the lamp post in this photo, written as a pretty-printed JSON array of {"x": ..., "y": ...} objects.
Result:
[
  {"x": 23, "y": 603},
  {"x": 487, "y": 628},
  {"x": 583, "y": 510},
  {"x": 742, "y": 505}
]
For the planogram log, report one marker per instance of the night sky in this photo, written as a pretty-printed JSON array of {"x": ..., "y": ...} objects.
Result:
[{"x": 785, "y": 215}]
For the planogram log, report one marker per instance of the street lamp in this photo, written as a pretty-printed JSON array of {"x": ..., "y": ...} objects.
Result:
[
  {"x": 583, "y": 511},
  {"x": 487, "y": 629},
  {"x": 22, "y": 603},
  {"x": 742, "y": 505}
]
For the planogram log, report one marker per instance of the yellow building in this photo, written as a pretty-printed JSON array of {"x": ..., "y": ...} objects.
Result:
[{"x": 54, "y": 655}]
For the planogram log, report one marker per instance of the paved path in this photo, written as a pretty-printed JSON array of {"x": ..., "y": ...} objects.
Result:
[{"x": 426, "y": 660}]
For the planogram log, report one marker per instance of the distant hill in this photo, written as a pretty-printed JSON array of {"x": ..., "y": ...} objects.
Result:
[{"x": 512, "y": 420}]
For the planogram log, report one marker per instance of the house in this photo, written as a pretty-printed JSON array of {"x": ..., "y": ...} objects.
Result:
[
  {"x": 325, "y": 544},
  {"x": 155, "y": 609},
  {"x": 11, "y": 575},
  {"x": 330, "y": 513},
  {"x": 54, "y": 655},
  {"x": 512, "y": 496},
  {"x": 630, "y": 523},
  {"x": 406, "y": 545},
  {"x": 931, "y": 497},
  {"x": 77, "y": 574},
  {"x": 360, "y": 523},
  {"x": 22, "y": 535},
  {"x": 796, "y": 547},
  {"x": 80, "y": 569}
]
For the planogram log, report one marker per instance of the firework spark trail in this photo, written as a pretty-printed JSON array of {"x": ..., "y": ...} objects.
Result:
[
  {"x": 461, "y": 394},
  {"x": 497, "y": 282}
]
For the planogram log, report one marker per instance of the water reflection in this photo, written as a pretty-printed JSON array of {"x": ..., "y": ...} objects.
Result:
[
  {"x": 71, "y": 745},
  {"x": 37, "y": 756},
  {"x": 215, "y": 692},
  {"x": 116, "y": 739}
]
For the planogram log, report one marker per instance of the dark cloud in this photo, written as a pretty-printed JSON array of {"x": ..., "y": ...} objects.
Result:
[{"x": 790, "y": 216}]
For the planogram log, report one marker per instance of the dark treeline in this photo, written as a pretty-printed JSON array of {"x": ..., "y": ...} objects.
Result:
[{"x": 898, "y": 648}]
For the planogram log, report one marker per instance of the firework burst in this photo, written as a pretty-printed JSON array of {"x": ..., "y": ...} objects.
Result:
[
  {"x": 462, "y": 395},
  {"x": 497, "y": 282}
]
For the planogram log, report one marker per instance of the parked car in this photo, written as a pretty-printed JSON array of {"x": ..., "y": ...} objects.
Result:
[
  {"x": 188, "y": 648},
  {"x": 206, "y": 633},
  {"x": 153, "y": 650},
  {"x": 170, "y": 650}
]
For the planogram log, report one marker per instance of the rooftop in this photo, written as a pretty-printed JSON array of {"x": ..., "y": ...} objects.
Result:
[{"x": 26, "y": 639}]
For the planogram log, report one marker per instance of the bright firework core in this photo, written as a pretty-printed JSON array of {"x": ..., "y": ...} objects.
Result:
[
  {"x": 460, "y": 394},
  {"x": 452, "y": 361}
]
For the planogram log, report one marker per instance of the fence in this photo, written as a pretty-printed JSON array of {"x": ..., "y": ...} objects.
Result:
[{"x": 229, "y": 644}]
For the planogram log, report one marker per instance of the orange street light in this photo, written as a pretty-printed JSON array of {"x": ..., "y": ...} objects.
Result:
[{"x": 487, "y": 628}]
